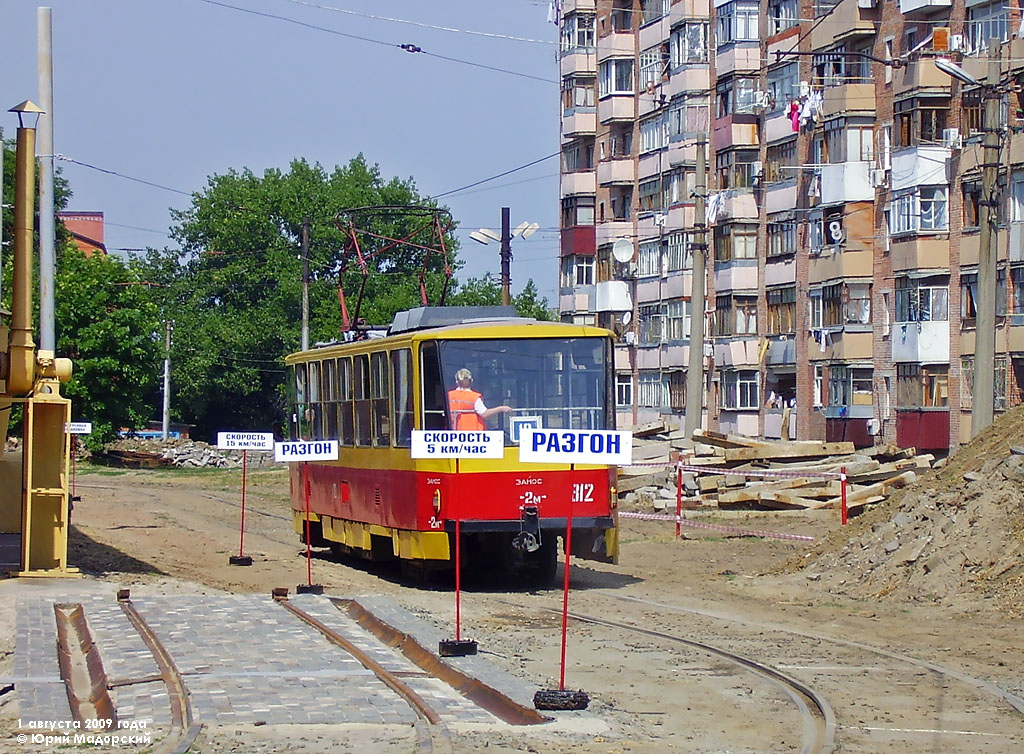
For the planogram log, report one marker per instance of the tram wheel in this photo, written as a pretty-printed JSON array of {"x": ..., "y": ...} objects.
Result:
[{"x": 541, "y": 566}]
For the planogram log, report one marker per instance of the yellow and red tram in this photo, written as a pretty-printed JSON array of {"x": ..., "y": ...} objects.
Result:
[{"x": 369, "y": 394}]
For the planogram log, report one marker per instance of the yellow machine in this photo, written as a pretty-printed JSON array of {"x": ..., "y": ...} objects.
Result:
[{"x": 33, "y": 483}]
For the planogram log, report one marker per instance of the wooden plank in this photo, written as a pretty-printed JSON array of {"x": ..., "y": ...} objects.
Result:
[
  {"x": 749, "y": 494},
  {"x": 789, "y": 450},
  {"x": 650, "y": 428},
  {"x": 879, "y": 488},
  {"x": 784, "y": 499},
  {"x": 707, "y": 437}
]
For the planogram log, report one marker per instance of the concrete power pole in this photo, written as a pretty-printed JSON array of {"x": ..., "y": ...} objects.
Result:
[
  {"x": 305, "y": 285},
  {"x": 695, "y": 365},
  {"x": 47, "y": 231},
  {"x": 506, "y": 257},
  {"x": 166, "y": 425}
]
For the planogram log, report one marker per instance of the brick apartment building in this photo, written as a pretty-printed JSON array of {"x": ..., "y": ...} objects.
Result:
[{"x": 844, "y": 181}]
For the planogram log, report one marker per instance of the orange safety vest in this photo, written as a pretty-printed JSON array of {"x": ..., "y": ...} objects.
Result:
[{"x": 461, "y": 402}]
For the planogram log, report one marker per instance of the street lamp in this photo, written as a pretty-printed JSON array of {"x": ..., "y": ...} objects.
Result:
[
  {"x": 485, "y": 236},
  {"x": 983, "y": 391}
]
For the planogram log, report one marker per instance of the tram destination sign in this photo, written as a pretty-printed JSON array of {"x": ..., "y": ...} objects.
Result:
[
  {"x": 608, "y": 446},
  {"x": 78, "y": 428},
  {"x": 245, "y": 441},
  {"x": 443, "y": 443},
  {"x": 308, "y": 450}
]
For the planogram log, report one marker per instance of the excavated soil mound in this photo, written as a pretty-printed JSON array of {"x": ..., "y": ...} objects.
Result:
[{"x": 956, "y": 537}]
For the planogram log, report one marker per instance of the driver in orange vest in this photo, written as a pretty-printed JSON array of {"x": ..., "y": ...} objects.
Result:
[{"x": 467, "y": 407}]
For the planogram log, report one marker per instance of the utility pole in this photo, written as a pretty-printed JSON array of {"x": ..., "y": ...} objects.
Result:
[
  {"x": 695, "y": 365},
  {"x": 47, "y": 231},
  {"x": 983, "y": 397},
  {"x": 506, "y": 256},
  {"x": 166, "y": 427},
  {"x": 2, "y": 151},
  {"x": 305, "y": 285}
]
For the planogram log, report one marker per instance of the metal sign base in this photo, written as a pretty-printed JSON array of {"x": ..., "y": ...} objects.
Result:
[
  {"x": 561, "y": 699},
  {"x": 240, "y": 560},
  {"x": 456, "y": 647},
  {"x": 309, "y": 589}
]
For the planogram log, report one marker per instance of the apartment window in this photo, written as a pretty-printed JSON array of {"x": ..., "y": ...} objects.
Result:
[
  {"x": 616, "y": 76},
  {"x": 783, "y": 85},
  {"x": 1017, "y": 198},
  {"x": 922, "y": 386},
  {"x": 578, "y": 155},
  {"x": 973, "y": 107},
  {"x": 832, "y": 305},
  {"x": 653, "y": 133},
  {"x": 818, "y": 385},
  {"x": 781, "y": 310},
  {"x": 1017, "y": 280},
  {"x": 676, "y": 386},
  {"x": 689, "y": 43},
  {"x": 858, "y": 303},
  {"x": 999, "y": 388},
  {"x": 969, "y": 294},
  {"x": 735, "y": 241},
  {"x": 739, "y": 390},
  {"x": 736, "y": 168},
  {"x": 622, "y": 203},
  {"x": 677, "y": 319},
  {"x": 623, "y": 389},
  {"x": 652, "y": 65},
  {"x": 737, "y": 22},
  {"x": 687, "y": 117},
  {"x": 649, "y": 195},
  {"x": 815, "y": 308},
  {"x": 620, "y": 144},
  {"x": 679, "y": 186},
  {"x": 849, "y": 386},
  {"x": 680, "y": 256},
  {"x": 783, "y": 14},
  {"x": 650, "y": 391},
  {"x": 781, "y": 158},
  {"x": 649, "y": 259},
  {"x": 736, "y": 94},
  {"x": 735, "y": 315},
  {"x": 652, "y": 10},
  {"x": 652, "y": 321},
  {"x": 922, "y": 299},
  {"x": 578, "y": 91},
  {"x": 577, "y": 270},
  {"x": 821, "y": 7},
  {"x": 972, "y": 203},
  {"x": 577, "y": 210},
  {"x": 577, "y": 32},
  {"x": 622, "y": 15},
  {"x": 920, "y": 120},
  {"x": 781, "y": 238},
  {"x": 985, "y": 22},
  {"x": 920, "y": 209}
]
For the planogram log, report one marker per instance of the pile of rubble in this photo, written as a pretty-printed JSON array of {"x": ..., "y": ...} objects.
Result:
[
  {"x": 733, "y": 471},
  {"x": 139, "y": 452},
  {"x": 955, "y": 536}
]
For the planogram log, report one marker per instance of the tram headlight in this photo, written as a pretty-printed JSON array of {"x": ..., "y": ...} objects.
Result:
[{"x": 437, "y": 502}]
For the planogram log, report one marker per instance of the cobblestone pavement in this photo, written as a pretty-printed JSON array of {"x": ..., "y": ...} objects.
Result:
[{"x": 244, "y": 660}]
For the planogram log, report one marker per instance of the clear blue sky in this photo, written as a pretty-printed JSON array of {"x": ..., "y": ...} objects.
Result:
[{"x": 173, "y": 91}]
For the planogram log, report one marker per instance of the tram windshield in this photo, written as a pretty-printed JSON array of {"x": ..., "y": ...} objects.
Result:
[{"x": 561, "y": 383}]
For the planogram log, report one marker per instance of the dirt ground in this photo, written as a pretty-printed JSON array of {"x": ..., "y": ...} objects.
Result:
[{"x": 934, "y": 574}]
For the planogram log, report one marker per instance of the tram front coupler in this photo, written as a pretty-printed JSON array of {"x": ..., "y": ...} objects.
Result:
[{"x": 528, "y": 538}]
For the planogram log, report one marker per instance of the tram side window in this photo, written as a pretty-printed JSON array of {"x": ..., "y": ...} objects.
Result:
[
  {"x": 346, "y": 421},
  {"x": 331, "y": 399},
  {"x": 315, "y": 410},
  {"x": 362, "y": 400},
  {"x": 401, "y": 389},
  {"x": 379, "y": 395},
  {"x": 435, "y": 403},
  {"x": 298, "y": 426}
]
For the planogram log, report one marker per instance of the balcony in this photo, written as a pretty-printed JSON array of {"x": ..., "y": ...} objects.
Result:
[
  {"x": 574, "y": 184},
  {"x": 579, "y": 60},
  {"x": 777, "y": 125},
  {"x": 617, "y": 44},
  {"x": 611, "y": 231},
  {"x": 691, "y": 78},
  {"x": 920, "y": 166},
  {"x": 834, "y": 343},
  {"x": 738, "y": 57},
  {"x": 579, "y": 239},
  {"x": 846, "y": 182},
  {"x": 738, "y": 275},
  {"x": 579, "y": 122},
  {"x": 616, "y": 172},
  {"x": 921, "y": 342},
  {"x": 612, "y": 296},
  {"x": 919, "y": 74},
  {"x": 570, "y": 6},
  {"x": 779, "y": 197},
  {"x": 833, "y": 264},
  {"x": 847, "y": 21},
  {"x": 737, "y": 350},
  {"x": 615, "y": 107},
  {"x": 910, "y": 7},
  {"x": 848, "y": 99},
  {"x": 577, "y": 299},
  {"x": 926, "y": 253},
  {"x": 734, "y": 131},
  {"x": 780, "y": 272}
]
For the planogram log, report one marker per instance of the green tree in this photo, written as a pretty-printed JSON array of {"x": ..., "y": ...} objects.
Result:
[
  {"x": 486, "y": 291},
  {"x": 108, "y": 325}
]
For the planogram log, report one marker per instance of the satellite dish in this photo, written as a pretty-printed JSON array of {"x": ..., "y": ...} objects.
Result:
[
  {"x": 627, "y": 317},
  {"x": 622, "y": 250}
]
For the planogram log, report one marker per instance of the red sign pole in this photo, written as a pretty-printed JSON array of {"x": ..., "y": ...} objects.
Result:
[
  {"x": 679, "y": 501},
  {"x": 842, "y": 486},
  {"x": 309, "y": 553},
  {"x": 458, "y": 557},
  {"x": 241, "y": 535},
  {"x": 565, "y": 580}
]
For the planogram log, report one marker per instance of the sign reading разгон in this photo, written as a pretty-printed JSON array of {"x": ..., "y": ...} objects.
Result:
[
  {"x": 608, "y": 446},
  {"x": 245, "y": 441},
  {"x": 444, "y": 443},
  {"x": 306, "y": 450}
]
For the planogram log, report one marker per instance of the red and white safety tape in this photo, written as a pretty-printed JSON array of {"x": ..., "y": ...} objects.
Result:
[
  {"x": 715, "y": 527},
  {"x": 756, "y": 473}
]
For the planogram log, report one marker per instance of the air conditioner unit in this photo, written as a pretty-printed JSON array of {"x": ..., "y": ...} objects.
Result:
[
  {"x": 757, "y": 170},
  {"x": 957, "y": 43},
  {"x": 630, "y": 338},
  {"x": 951, "y": 138},
  {"x": 878, "y": 178}
]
